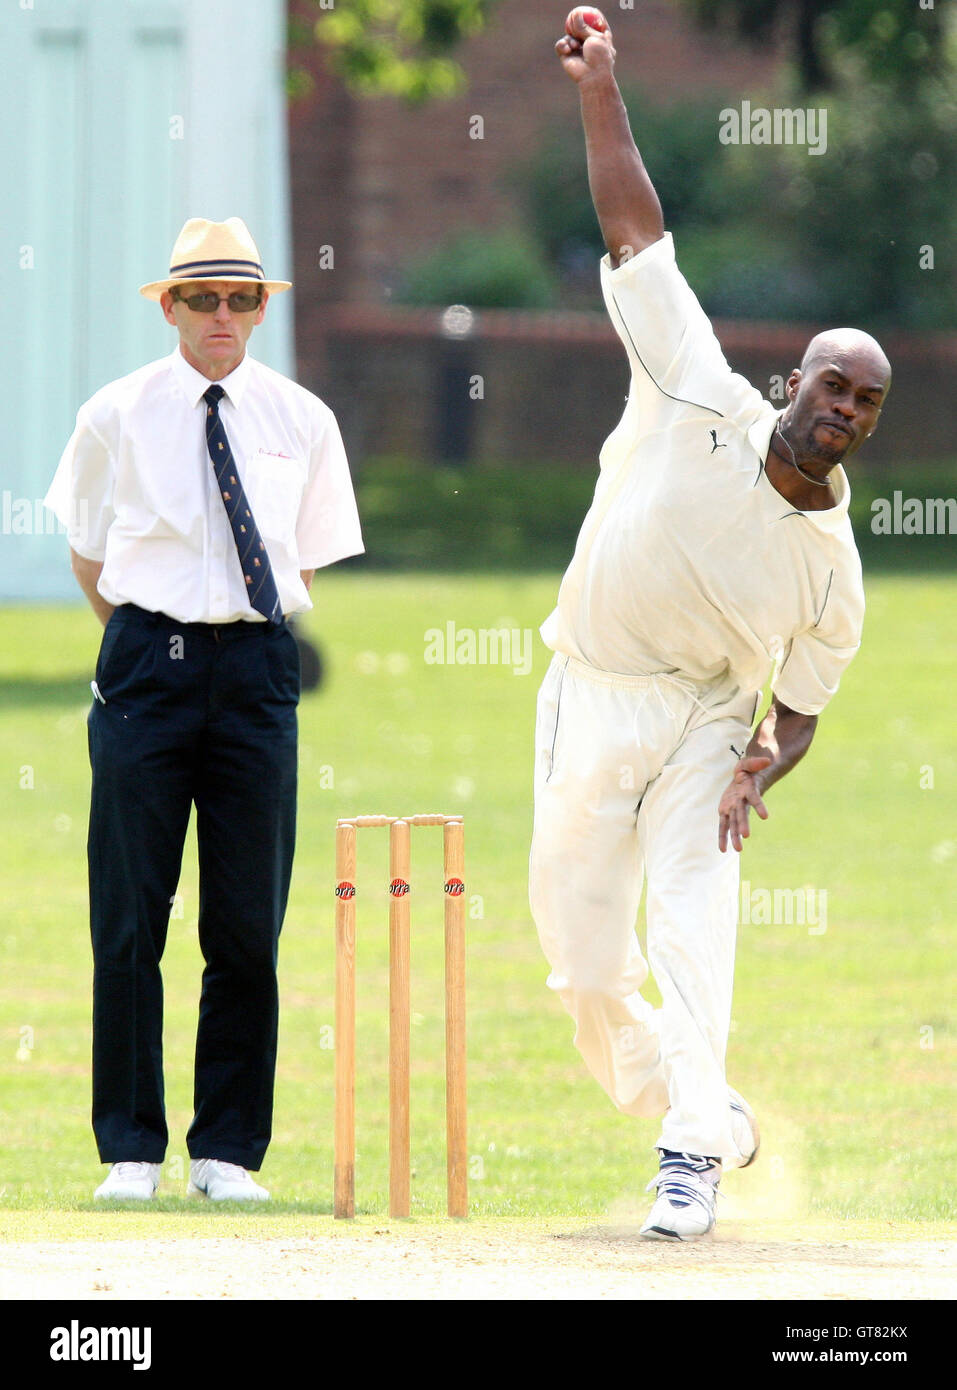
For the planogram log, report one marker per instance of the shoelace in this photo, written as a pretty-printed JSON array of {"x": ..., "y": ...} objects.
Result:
[
  {"x": 133, "y": 1168},
  {"x": 682, "y": 1180}
]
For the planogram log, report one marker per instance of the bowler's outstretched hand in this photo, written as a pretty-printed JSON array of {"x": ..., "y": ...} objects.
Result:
[{"x": 734, "y": 806}]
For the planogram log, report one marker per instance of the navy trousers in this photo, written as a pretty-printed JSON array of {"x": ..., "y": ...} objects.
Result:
[{"x": 190, "y": 714}]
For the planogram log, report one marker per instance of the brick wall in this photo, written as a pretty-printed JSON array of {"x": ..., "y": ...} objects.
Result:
[{"x": 553, "y": 385}]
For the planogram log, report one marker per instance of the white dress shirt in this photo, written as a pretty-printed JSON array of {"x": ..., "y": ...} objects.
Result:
[
  {"x": 689, "y": 561},
  {"x": 135, "y": 488}
]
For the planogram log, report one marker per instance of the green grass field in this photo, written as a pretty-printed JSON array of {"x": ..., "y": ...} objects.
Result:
[{"x": 843, "y": 1040}]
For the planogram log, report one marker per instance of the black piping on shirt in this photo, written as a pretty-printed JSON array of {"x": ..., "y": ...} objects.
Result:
[
  {"x": 679, "y": 399},
  {"x": 830, "y": 580}
]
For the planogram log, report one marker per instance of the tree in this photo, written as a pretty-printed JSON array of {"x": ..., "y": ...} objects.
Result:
[
  {"x": 399, "y": 48},
  {"x": 898, "y": 42}
]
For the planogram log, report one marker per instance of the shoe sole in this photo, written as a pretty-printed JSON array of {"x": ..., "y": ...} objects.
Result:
[
  {"x": 661, "y": 1233},
  {"x": 193, "y": 1191},
  {"x": 741, "y": 1105}
]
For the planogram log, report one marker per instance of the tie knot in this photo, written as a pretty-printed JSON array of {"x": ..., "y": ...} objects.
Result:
[{"x": 214, "y": 395}]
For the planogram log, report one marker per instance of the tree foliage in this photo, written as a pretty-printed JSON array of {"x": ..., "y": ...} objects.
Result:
[
  {"x": 865, "y": 235},
  {"x": 899, "y": 42},
  {"x": 484, "y": 269},
  {"x": 399, "y": 48}
]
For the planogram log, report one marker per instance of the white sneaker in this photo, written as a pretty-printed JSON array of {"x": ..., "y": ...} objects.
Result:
[
  {"x": 130, "y": 1181},
  {"x": 223, "y": 1182},
  {"x": 687, "y": 1187},
  {"x": 744, "y": 1128}
]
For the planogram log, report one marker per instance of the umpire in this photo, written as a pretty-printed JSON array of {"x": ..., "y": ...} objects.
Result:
[{"x": 200, "y": 494}]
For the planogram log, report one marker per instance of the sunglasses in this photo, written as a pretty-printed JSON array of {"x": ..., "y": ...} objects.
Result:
[{"x": 240, "y": 301}]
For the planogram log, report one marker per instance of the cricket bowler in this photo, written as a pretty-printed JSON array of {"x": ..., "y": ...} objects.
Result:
[{"x": 717, "y": 552}]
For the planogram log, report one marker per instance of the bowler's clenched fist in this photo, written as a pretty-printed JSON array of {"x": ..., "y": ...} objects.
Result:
[{"x": 586, "y": 44}]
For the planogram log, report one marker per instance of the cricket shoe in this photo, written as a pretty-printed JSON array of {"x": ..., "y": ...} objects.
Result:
[
  {"x": 129, "y": 1182},
  {"x": 744, "y": 1128},
  {"x": 687, "y": 1186},
  {"x": 223, "y": 1182}
]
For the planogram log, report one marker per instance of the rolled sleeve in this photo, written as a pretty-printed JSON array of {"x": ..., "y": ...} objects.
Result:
[
  {"x": 328, "y": 526},
  {"x": 817, "y": 659},
  {"x": 811, "y": 674},
  {"x": 81, "y": 493}
]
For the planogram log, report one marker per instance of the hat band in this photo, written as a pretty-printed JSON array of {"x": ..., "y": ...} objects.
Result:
[{"x": 217, "y": 270}]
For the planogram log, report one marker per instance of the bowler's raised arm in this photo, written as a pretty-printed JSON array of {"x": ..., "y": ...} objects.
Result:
[{"x": 625, "y": 200}]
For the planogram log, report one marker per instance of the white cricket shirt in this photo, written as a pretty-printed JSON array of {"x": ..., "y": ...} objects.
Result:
[
  {"x": 689, "y": 561},
  {"x": 135, "y": 488}
]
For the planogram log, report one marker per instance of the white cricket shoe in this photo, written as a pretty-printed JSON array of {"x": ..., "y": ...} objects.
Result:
[
  {"x": 223, "y": 1182},
  {"x": 687, "y": 1186},
  {"x": 744, "y": 1128},
  {"x": 129, "y": 1182}
]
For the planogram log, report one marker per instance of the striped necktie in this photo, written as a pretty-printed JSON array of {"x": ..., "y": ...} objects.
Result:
[{"x": 257, "y": 571}]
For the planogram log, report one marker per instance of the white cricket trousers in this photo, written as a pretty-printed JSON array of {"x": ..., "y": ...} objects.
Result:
[{"x": 628, "y": 774}]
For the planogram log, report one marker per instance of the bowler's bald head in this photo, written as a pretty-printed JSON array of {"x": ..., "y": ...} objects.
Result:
[{"x": 841, "y": 346}]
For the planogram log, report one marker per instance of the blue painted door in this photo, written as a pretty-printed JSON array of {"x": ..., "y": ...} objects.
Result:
[{"x": 121, "y": 119}]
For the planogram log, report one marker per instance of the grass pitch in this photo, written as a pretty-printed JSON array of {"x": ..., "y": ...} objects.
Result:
[{"x": 843, "y": 1040}]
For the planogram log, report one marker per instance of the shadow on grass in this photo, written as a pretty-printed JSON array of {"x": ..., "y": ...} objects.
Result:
[
  {"x": 190, "y": 1207},
  {"x": 60, "y": 692}
]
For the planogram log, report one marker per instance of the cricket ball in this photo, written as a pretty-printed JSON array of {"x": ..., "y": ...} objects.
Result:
[{"x": 593, "y": 18}]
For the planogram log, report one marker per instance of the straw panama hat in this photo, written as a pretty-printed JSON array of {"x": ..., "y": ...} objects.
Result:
[{"x": 214, "y": 251}]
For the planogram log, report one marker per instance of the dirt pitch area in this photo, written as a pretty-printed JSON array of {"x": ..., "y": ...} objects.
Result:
[{"x": 382, "y": 1259}]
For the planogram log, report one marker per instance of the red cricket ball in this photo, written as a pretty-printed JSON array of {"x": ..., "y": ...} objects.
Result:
[{"x": 593, "y": 18}]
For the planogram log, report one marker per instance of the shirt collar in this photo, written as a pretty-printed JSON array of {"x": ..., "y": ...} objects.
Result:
[
  {"x": 193, "y": 384},
  {"x": 759, "y": 437}
]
